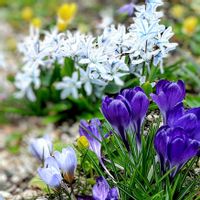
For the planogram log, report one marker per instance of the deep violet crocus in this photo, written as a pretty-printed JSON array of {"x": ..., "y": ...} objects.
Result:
[
  {"x": 189, "y": 120},
  {"x": 91, "y": 132},
  {"x": 102, "y": 191},
  {"x": 168, "y": 95},
  {"x": 41, "y": 148},
  {"x": 139, "y": 104},
  {"x": 118, "y": 113},
  {"x": 174, "y": 148},
  {"x": 67, "y": 163},
  {"x": 50, "y": 173},
  {"x": 127, "y": 110}
]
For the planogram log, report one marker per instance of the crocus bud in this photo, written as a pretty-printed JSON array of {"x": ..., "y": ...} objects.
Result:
[
  {"x": 41, "y": 148},
  {"x": 139, "y": 104},
  {"x": 67, "y": 162},
  {"x": 50, "y": 173},
  {"x": 118, "y": 113},
  {"x": 91, "y": 131},
  {"x": 168, "y": 95},
  {"x": 102, "y": 191},
  {"x": 83, "y": 142}
]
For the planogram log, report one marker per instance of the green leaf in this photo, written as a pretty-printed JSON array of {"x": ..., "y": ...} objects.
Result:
[
  {"x": 112, "y": 88},
  {"x": 68, "y": 67},
  {"x": 192, "y": 101},
  {"x": 36, "y": 182}
]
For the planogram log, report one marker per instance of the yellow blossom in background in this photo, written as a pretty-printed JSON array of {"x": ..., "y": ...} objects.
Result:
[
  {"x": 36, "y": 22},
  {"x": 82, "y": 142},
  {"x": 27, "y": 14},
  {"x": 177, "y": 11},
  {"x": 61, "y": 26},
  {"x": 3, "y": 2},
  {"x": 190, "y": 25},
  {"x": 66, "y": 12}
]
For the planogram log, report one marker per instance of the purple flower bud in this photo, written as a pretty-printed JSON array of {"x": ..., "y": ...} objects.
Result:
[
  {"x": 91, "y": 132},
  {"x": 41, "y": 148},
  {"x": 118, "y": 113},
  {"x": 50, "y": 173},
  {"x": 168, "y": 95},
  {"x": 127, "y": 9},
  {"x": 174, "y": 148},
  {"x": 67, "y": 162},
  {"x": 102, "y": 191},
  {"x": 139, "y": 104}
]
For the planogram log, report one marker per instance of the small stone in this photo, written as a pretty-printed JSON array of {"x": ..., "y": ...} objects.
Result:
[
  {"x": 15, "y": 179},
  {"x": 197, "y": 170},
  {"x": 17, "y": 197},
  {"x": 198, "y": 163},
  {"x": 5, "y": 195},
  {"x": 28, "y": 194},
  {"x": 3, "y": 178},
  {"x": 149, "y": 118}
]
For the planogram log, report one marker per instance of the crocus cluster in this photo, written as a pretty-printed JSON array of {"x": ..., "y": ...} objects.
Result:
[
  {"x": 126, "y": 111},
  {"x": 98, "y": 60},
  {"x": 178, "y": 140},
  {"x": 57, "y": 166}
]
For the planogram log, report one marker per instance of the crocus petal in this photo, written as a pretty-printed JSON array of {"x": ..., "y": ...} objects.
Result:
[
  {"x": 67, "y": 162},
  {"x": 41, "y": 148},
  {"x": 101, "y": 189},
  {"x": 113, "y": 194},
  {"x": 188, "y": 122},
  {"x": 174, "y": 114},
  {"x": 139, "y": 105},
  {"x": 50, "y": 176},
  {"x": 91, "y": 132}
]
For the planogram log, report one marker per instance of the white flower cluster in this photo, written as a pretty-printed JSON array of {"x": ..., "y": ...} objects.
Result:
[{"x": 98, "y": 60}]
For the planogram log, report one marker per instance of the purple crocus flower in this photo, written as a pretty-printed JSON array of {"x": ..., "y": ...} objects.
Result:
[
  {"x": 41, "y": 148},
  {"x": 189, "y": 120},
  {"x": 102, "y": 191},
  {"x": 67, "y": 162},
  {"x": 127, "y": 9},
  {"x": 118, "y": 113},
  {"x": 50, "y": 173},
  {"x": 174, "y": 148},
  {"x": 139, "y": 104},
  {"x": 91, "y": 132},
  {"x": 168, "y": 95}
]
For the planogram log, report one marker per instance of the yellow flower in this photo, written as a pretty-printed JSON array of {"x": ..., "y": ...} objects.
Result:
[
  {"x": 66, "y": 12},
  {"x": 82, "y": 142},
  {"x": 61, "y": 26},
  {"x": 27, "y": 14},
  {"x": 190, "y": 25},
  {"x": 36, "y": 22},
  {"x": 177, "y": 11}
]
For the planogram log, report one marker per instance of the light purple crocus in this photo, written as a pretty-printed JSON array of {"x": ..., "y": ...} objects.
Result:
[
  {"x": 91, "y": 131},
  {"x": 127, "y": 9},
  {"x": 102, "y": 191},
  {"x": 168, "y": 95},
  {"x": 67, "y": 162},
  {"x": 174, "y": 148},
  {"x": 50, "y": 173},
  {"x": 41, "y": 148},
  {"x": 139, "y": 104}
]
